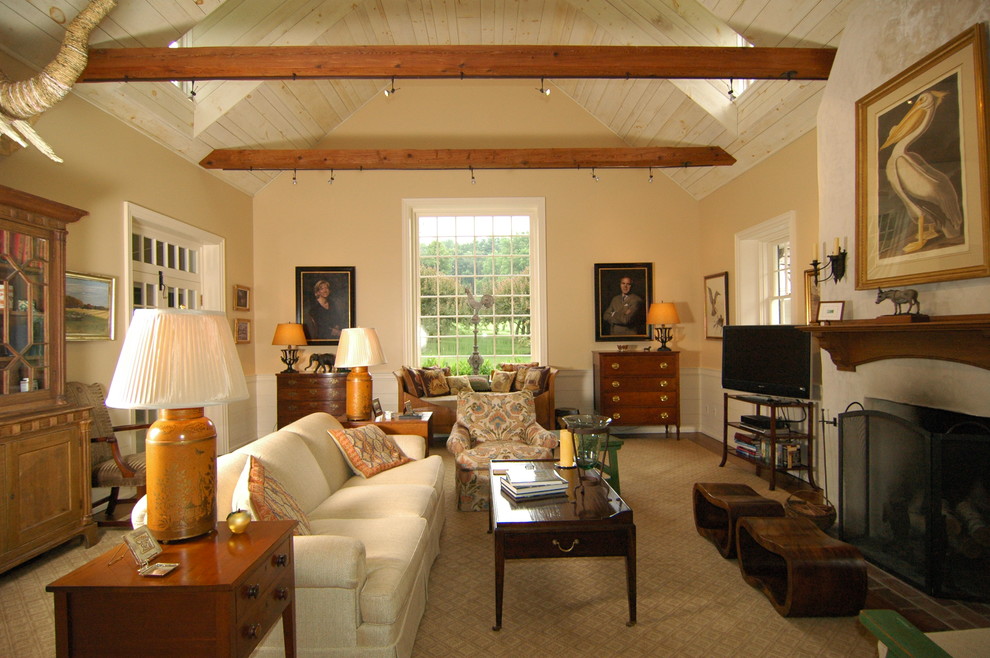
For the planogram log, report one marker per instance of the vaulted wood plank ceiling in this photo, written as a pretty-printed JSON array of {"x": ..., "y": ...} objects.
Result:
[{"x": 249, "y": 114}]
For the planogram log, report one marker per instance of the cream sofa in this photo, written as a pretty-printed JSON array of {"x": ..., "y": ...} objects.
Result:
[{"x": 361, "y": 577}]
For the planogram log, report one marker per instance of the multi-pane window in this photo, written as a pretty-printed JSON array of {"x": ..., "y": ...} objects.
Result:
[
  {"x": 778, "y": 283},
  {"x": 475, "y": 276},
  {"x": 165, "y": 271}
]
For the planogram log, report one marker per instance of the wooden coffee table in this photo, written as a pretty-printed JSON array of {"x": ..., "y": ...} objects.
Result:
[{"x": 590, "y": 521}]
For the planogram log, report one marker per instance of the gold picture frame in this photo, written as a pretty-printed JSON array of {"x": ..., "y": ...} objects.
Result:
[
  {"x": 242, "y": 331},
  {"x": 242, "y": 298},
  {"x": 89, "y": 306},
  {"x": 928, "y": 123}
]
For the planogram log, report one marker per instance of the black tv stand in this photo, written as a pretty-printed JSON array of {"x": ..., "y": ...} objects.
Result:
[{"x": 778, "y": 430}]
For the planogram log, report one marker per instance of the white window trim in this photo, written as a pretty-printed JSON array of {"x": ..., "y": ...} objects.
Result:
[
  {"x": 534, "y": 206},
  {"x": 750, "y": 282}
]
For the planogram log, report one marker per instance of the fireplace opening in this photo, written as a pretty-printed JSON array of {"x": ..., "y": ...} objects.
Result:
[{"x": 914, "y": 495}]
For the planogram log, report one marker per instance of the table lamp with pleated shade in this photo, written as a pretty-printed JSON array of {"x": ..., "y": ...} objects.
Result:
[
  {"x": 359, "y": 348},
  {"x": 179, "y": 361}
]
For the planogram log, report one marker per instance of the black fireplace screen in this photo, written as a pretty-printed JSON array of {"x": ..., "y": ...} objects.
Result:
[{"x": 916, "y": 502}]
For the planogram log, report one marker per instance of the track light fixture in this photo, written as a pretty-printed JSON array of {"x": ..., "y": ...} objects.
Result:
[
  {"x": 542, "y": 89},
  {"x": 473, "y": 179},
  {"x": 192, "y": 90},
  {"x": 594, "y": 176},
  {"x": 295, "y": 180},
  {"x": 391, "y": 89},
  {"x": 651, "y": 175},
  {"x": 732, "y": 93},
  {"x": 330, "y": 180}
]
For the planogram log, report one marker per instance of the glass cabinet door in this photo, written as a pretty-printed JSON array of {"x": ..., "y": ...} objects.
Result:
[{"x": 25, "y": 271}]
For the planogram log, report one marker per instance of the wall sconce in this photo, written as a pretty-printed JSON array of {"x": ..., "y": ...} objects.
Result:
[
  {"x": 661, "y": 315},
  {"x": 289, "y": 334},
  {"x": 834, "y": 268},
  {"x": 359, "y": 348}
]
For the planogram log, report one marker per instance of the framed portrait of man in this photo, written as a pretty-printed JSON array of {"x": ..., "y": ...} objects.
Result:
[
  {"x": 325, "y": 302},
  {"x": 623, "y": 292}
]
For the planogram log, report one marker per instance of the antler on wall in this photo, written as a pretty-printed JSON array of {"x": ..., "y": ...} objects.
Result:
[{"x": 24, "y": 99}]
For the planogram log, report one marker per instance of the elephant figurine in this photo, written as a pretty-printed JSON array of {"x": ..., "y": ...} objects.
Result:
[{"x": 324, "y": 362}]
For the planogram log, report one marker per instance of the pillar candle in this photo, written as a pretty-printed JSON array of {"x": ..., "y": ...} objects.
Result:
[
  {"x": 836, "y": 252},
  {"x": 566, "y": 449}
]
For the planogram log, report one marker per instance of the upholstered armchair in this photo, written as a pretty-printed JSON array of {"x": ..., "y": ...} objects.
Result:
[
  {"x": 493, "y": 426},
  {"x": 110, "y": 469}
]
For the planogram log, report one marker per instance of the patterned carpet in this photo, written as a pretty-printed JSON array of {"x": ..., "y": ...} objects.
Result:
[{"x": 691, "y": 602}]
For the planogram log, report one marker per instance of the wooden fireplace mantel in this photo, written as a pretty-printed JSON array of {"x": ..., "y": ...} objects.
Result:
[{"x": 960, "y": 338}]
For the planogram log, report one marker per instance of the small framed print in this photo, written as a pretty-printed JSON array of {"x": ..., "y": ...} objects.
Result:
[
  {"x": 830, "y": 311},
  {"x": 89, "y": 306},
  {"x": 143, "y": 545},
  {"x": 716, "y": 304},
  {"x": 242, "y": 330},
  {"x": 242, "y": 298},
  {"x": 376, "y": 407}
]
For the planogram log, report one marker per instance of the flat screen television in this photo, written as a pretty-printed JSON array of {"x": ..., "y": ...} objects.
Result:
[{"x": 768, "y": 360}]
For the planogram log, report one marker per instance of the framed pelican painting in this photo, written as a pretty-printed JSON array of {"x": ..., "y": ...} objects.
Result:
[{"x": 922, "y": 209}]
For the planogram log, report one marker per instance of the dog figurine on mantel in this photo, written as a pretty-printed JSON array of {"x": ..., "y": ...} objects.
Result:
[{"x": 900, "y": 298}]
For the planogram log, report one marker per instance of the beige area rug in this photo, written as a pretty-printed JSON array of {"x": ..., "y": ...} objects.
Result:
[{"x": 691, "y": 602}]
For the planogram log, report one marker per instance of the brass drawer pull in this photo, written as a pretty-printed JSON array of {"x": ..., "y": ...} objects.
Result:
[
  {"x": 616, "y": 416},
  {"x": 566, "y": 550},
  {"x": 615, "y": 398},
  {"x": 282, "y": 593},
  {"x": 615, "y": 383},
  {"x": 252, "y": 591},
  {"x": 664, "y": 365},
  {"x": 664, "y": 397},
  {"x": 664, "y": 383},
  {"x": 280, "y": 560},
  {"x": 664, "y": 416},
  {"x": 615, "y": 366}
]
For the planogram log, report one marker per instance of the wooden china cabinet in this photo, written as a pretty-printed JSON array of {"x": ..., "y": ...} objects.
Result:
[{"x": 44, "y": 443}]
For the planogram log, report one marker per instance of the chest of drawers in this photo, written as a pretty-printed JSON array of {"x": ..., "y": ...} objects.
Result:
[
  {"x": 299, "y": 394},
  {"x": 638, "y": 388}
]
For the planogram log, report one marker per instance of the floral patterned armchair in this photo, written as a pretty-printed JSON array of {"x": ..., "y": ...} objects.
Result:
[{"x": 493, "y": 426}]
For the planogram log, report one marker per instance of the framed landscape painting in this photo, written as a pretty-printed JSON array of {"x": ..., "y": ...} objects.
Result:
[
  {"x": 325, "y": 302},
  {"x": 623, "y": 292},
  {"x": 89, "y": 306},
  {"x": 922, "y": 209}
]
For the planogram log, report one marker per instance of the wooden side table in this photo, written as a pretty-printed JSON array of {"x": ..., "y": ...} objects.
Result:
[
  {"x": 228, "y": 591},
  {"x": 423, "y": 426}
]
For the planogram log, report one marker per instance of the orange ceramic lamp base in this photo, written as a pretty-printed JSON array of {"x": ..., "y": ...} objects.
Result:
[
  {"x": 359, "y": 394},
  {"x": 181, "y": 452}
]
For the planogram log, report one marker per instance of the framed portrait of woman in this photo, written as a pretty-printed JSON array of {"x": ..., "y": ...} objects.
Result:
[{"x": 325, "y": 302}]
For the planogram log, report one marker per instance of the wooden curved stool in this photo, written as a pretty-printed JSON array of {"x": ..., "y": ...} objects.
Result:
[
  {"x": 719, "y": 505},
  {"x": 803, "y": 571}
]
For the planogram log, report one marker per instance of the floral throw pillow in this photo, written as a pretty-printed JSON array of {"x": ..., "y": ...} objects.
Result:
[
  {"x": 502, "y": 381},
  {"x": 458, "y": 383},
  {"x": 368, "y": 449},
  {"x": 265, "y": 499},
  {"x": 435, "y": 383}
]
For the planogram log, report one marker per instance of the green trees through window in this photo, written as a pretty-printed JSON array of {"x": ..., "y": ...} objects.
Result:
[{"x": 474, "y": 273}]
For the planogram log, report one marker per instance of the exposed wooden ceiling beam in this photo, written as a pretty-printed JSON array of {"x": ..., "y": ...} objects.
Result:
[
  {"x": 531, "y": 158},
  {"x": 326, "y": 62}
]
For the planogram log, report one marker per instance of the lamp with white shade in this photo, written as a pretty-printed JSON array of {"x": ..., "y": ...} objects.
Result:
[
  {"x": 660, "y": 315},
  {"x": 289, "y": 334},
  {"x": 179, "y": 361},
  {"x": 359, "y": 348}
]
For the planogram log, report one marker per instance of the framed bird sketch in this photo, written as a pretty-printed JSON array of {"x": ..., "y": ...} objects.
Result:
[
  {"x": 623, "y": 292},
  {"x": 716, "y": 304},
  {"x": 922, "y": 208}
]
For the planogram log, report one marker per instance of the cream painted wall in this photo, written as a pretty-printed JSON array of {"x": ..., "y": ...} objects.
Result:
[
  {"x": 357, "y": 220},
  {"x": 107, "y": 164}
]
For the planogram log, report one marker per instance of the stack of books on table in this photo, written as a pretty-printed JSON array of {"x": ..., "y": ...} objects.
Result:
[{"x": 533, "y": 481}]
